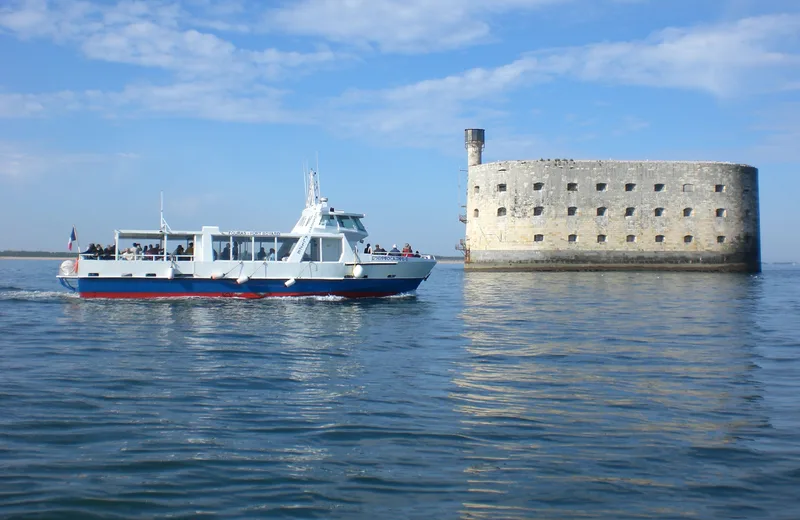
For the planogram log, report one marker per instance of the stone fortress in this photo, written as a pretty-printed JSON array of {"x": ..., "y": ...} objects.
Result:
[{"x": 563, "y": 214}]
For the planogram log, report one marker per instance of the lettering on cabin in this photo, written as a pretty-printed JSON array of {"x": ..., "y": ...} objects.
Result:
[{"x": 252, "y": 233}]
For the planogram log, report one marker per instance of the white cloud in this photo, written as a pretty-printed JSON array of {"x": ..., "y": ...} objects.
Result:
[
  {"x": 396, "y": 25},
  {"x": 746, "y": 57},
  {"x": 22, "y": 162}
]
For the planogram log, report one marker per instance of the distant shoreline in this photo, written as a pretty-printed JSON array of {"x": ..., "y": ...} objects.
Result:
[{"x": 36, "y": 257}]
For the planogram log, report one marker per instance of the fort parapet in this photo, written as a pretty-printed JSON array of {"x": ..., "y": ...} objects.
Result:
[{"x": 564, "y": 214}]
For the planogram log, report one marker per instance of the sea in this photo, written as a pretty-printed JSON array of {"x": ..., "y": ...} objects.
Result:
[{"x": 482, "y": 396}]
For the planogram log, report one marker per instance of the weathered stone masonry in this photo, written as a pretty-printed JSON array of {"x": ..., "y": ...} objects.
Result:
[{"x": 563, "y": 214}]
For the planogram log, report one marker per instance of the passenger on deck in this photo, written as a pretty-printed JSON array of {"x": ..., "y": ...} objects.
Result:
[
  {"x": 89, "y": 250},
  {"x": 271, "y": 256},
  {"x": 368, "y": 249},
  {"x": 394, "y": 251},
  {"x": 226, "y": 253},
  {"x": 407, "y": 251},
  {"x": 179, "y": 252},
  {"x": 189, "y": 250},
  {"x": 262, "y": 254},
  {"x": 235, "y": 251},
  {"x": 378, "y": 249}
]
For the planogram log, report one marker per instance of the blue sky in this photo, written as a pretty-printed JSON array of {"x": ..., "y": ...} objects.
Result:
[{"x": 219, "y": 102}]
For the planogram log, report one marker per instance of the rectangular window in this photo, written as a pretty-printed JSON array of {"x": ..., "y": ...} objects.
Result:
[
  {"x": 721, "y": 213},
  {"x": 265, "y": 249},
  {"x": 658, "y": 187},
  {"x": 501, "y": 187},
  {"x": 601, "y": 212},
  {"x": 312, "y": 252},
  {"x": 572, "y": 186},
  {"x": 537, "y": 211},
  {"x": 601, "y": 239},
  {"x": 222, "y": 247},
  {"x": 630, "y": 238},
  {"x": 285, "y": 246},
  {"x": 346, "y": 222},
  {"x": 601, "y": 186},
  {"x": 538, "y": 186},
  {"x": 629, "y": 212},
  {"x": 630, "y": 186},
  {"x": 331, "y": 249},
  {"x": 572, "y": 211},
  {"x": 719, "y": 188},
  {"x": 659, "y": 239},
  {"x": 242, "y": 248},
  {"x": 538, "y": 238},
  {"x": 573, "y": 238},
  {"x": 720, "y": 239}
]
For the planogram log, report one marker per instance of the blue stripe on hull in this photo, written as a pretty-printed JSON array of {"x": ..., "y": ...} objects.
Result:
[{"x": 160, "y": 287}]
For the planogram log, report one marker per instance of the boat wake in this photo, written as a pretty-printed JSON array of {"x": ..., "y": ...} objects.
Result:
[{"x": 17, "y": 294}]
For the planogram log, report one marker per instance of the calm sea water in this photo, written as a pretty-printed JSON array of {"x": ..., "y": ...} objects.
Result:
[{"x": 486, "y": 395}]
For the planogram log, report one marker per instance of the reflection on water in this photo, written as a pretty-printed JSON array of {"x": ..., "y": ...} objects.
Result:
[
  {"x": 487, "y": 395},
  {"x": 607, "y": 384}
]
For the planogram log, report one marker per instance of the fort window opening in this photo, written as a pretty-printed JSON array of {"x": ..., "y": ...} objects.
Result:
[
  {"x": 720, "y": 239},
  {"x": 601, "y": 186},
  {"x": 659, "y": 239},
  {"x": 538, "y": 238},
  {"x": 538, "y": 210},
  {"x": 572, "y": 186},
  {"x": 501, "y": 212},
  {"x": 572, "y": 211},
  {"x": 476, "y": 213},
  {"x": 601, "y": 212},
  {"x": 601, "y": 239},
  {"x": 538, "y": 186},
  {"x": 573, "y": 238},
  {"x": 688, "y": 188},
  {"x": 687, "y": 212},
  {"x": 476, "y": 189},
  {"x": 688, "y": 239},
  {"x": 630, "y": 186},
  {"x": 659, "y": 212},
  {"x": 629, "y": 212},
  {"x": 630, "y": 238},
  {"x": 658, "y": 187},
  {"x": 501, "y": 187},
  {"x": 719, "y": 188},
  {"x": 721, "y": 212}
]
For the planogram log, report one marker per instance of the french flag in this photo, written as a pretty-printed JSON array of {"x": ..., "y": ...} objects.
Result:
[{"x": 72, "y": 238}]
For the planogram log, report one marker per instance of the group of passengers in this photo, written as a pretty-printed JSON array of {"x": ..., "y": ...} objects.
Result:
[
  {"x": 137, "y": 252},
  {"x": 97, "y": 251},
  {"x": 227, "y": 254},
  {"x": 378, "y": 250}
]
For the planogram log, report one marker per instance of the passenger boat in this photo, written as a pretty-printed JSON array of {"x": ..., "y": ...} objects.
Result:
[{"x": 320, "y": 256}]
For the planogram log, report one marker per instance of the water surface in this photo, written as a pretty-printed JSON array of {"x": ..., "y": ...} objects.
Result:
[{"x": 485, "y": 395}]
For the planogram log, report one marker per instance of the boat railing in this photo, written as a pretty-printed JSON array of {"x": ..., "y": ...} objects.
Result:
[
  {"x": 401, "y": 254},
  {"x": 141, "y": 256}
]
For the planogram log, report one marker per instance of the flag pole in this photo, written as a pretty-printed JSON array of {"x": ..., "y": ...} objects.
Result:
[{"x": 77, "y": 240}]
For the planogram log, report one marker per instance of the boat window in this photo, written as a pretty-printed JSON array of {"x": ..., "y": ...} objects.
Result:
[
  {"x": 359, "y": 225},
  {"x": 242, "y": 248},
  {"x": 346, "y": 222},
  {"x": 311, "y": 254},
  {"x": 285, "y": 245},
  {"x": 331, "y": 249},
  {"x": 265, "y": 249},
  {"x": 327, "y": 221},
  {"x": 222, "y": 247}
]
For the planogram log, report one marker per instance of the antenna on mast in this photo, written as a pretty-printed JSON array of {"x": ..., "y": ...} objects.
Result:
[{"x": 164, "y": 226}]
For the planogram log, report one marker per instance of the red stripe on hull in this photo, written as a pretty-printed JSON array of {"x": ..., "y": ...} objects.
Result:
[{"x": 243, "y": 296}]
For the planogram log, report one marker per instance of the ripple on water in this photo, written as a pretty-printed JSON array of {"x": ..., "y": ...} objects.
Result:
[{"x": 483, "y": 395}]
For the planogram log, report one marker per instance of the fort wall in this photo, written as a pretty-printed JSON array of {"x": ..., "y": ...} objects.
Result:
[{"x": 588, "y": 214}]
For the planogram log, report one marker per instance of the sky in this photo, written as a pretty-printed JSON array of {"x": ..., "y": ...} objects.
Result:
[{"x": 220, "y": 103}]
